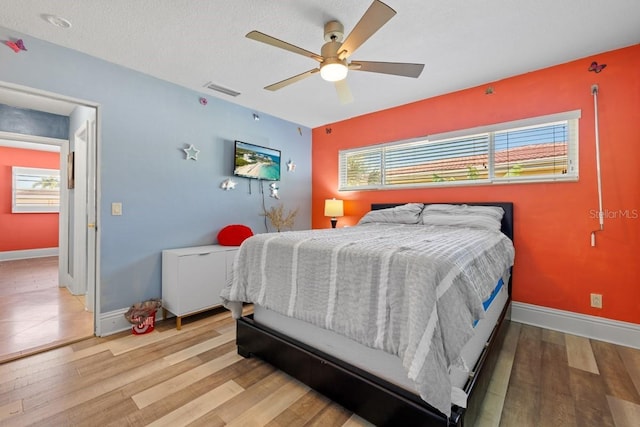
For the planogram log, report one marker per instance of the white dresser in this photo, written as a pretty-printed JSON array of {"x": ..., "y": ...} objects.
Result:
[{"x": 192, "y": 278}]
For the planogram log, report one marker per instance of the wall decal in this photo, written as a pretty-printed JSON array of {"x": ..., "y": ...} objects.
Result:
[
  {"x": 489, "y": 90},
  {"x": 327, "y": 130},
  {"x": 228, "y": 184},
  {"x": 274, "y": 190},
  {"x": 291, "y": 167},
  {"x": 203, "y": 100},
  {"x": 17, "y": 45},
  {"x": 596, "y": 68},
  {"x": 192, "y": 152}
]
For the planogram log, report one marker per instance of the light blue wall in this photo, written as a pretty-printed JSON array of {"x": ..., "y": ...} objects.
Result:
[{"x": 167, "y": 201}]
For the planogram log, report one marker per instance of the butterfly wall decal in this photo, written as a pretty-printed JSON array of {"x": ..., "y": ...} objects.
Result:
[
  {"x": 17, "y": 45},
  {"x": 596, "y": 68}
]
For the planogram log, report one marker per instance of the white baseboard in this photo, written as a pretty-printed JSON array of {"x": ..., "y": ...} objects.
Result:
[
  {"x": 598, "y": 328},
  {"x": 28, "y": 253},
  {"x": 113, "y": 322}
]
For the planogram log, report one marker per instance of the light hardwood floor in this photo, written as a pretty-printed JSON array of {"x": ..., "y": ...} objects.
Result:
[
  {"x": 35, "y": 313},
  {"x": 194, "y": 377}
]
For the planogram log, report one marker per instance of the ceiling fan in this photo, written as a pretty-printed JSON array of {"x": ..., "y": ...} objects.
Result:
[{"x": 334, "y": 65}]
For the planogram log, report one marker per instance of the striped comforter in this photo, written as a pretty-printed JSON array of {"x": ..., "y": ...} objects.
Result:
[{"x": 410, "y": 290}]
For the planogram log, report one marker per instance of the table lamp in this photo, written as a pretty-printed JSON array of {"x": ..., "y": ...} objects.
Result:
[{"x": 333, "y": 208}]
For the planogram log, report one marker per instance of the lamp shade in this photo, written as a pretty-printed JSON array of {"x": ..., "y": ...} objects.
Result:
[{"x": 333, "y": 208}]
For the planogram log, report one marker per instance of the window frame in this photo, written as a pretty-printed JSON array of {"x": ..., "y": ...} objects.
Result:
[
  {"x": 571, "y": 117},
  {"x": 16, "y": 171}
]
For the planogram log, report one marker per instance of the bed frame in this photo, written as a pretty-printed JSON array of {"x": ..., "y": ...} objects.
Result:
[{"x": 369, "y": 396}]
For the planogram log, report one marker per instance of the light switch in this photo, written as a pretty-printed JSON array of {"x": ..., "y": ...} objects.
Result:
[{"x": 116, "y": 208}]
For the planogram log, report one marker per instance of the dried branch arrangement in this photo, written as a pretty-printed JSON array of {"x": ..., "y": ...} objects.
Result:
[{"x": 279, "y": 218}]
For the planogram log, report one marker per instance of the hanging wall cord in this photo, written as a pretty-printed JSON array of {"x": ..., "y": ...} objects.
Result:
[
  {"x": 264, "y": 206},
  {"x": 594, "y": 92}
]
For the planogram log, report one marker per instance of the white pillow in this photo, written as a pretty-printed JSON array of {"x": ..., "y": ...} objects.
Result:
[
  {"x": 495, "y": 212},
  {"x": 403, "y": 214},
  {"x": 464, "y": 220}
]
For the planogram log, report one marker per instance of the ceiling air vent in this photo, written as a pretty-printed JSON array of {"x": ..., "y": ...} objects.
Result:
[{"x": 221, "y": 89}]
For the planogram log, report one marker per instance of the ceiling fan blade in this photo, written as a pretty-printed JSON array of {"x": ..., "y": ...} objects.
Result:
[
  {"x": 291, "y": 80},
  {"x": 344, "y": 93},
  {"x": 395, "y": 68},
  {"x": 373, "y": 19},
  {"x": 261, "y": 37}
]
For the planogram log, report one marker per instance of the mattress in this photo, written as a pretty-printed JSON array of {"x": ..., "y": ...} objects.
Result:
[
  {"x": 382, "y": 364},
  {"x": 412, "y": 290}
]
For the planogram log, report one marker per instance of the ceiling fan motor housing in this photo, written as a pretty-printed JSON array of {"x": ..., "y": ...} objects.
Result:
[{"x": 333, "y": 31}]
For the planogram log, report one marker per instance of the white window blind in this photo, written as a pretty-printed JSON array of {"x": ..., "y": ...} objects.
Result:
[
  {"x": 35, "y": 190},
  {"x": 361, "y": 168},
  {"x": 534, "y": 151},
  {"x": 458, "y": 159},
  {"x": 538, "y": 149}
]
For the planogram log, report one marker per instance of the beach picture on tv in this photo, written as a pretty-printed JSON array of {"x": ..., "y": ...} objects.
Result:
[{"x": 254, "y": 161}]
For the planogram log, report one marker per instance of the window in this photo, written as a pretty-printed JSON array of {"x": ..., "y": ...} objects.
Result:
[
  {"x": 538, "y": 149},
  {"x": 35, "y": 190}
]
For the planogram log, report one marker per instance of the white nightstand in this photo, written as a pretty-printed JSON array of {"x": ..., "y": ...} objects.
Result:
[{"x": 192, "y": 278}]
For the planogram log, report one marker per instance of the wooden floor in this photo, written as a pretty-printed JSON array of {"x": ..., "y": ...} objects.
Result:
[
  {"x": 195, "y": 377},
  {"x": 35, "y": 313}
]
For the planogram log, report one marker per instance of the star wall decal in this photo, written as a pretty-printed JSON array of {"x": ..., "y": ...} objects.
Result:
[
  {"x": 192, "y": 152},
  {"x": 228, "y": 184},
  {"x": 291, "y": 167},
  {"x": 274, "y": 190}
]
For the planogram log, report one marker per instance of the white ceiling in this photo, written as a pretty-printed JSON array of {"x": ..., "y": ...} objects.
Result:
[{"x": 464, "y": 43}]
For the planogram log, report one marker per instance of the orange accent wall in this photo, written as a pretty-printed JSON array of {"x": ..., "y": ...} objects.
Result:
[
  {"x": 555, "y": 265},
  {"x": 25, "y": 230}
]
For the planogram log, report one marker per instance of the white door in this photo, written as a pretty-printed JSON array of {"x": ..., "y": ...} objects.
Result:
[
  {"x": 74, "y": 267},
  {"x": 91, "y": 214}
]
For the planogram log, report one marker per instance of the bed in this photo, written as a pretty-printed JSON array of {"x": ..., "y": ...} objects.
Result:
[{"x": 395, "y": 355}]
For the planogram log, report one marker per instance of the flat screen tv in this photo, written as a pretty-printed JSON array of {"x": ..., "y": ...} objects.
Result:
[{"x": 254, "y": 161}]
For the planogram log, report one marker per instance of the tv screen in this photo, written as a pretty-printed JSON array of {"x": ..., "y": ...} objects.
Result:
[{"x": 254, "y": 161}]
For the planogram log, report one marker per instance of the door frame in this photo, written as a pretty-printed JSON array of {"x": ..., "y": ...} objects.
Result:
[{"x": 35, "y": 99}]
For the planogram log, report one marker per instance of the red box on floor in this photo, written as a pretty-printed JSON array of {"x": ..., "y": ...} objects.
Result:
[{"x": 145, "y": 326}]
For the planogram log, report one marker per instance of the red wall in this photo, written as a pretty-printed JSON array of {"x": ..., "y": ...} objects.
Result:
[
  {"x": 25, "y": 230},
  {"x": 555, "y": 264}
]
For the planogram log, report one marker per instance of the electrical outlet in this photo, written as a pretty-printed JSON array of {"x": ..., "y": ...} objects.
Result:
[{"x": 596, "y": 300}]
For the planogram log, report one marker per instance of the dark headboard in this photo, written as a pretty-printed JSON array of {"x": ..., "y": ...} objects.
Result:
[{"x": 507, "y": 219}]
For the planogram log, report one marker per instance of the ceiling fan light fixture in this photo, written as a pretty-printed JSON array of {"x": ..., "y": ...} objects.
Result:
[{"x": 333, "y": 70}]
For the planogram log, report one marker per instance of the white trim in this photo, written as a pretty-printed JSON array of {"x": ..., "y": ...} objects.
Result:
[
  {"x": 465, "y": 135},
  {"x": 20, "y": 174},
  {"x": 584, "y": 325},
  {"x": 512, "y": 125},
  {"x": 113, "y": 322},
  {"x": 19, "y": 140},
  {"x": 37, "y": 99},
  {"x": 28, "y": 253}
]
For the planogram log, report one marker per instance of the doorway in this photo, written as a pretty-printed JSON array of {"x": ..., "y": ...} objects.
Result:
[{"x": 76, "y": 267}]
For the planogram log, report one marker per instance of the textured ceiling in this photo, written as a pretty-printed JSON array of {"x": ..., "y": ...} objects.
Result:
[{"x": 464, "y": 43}]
